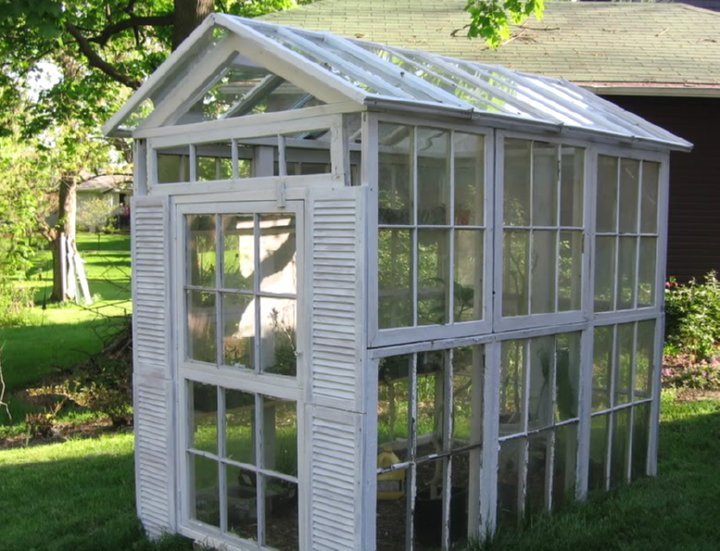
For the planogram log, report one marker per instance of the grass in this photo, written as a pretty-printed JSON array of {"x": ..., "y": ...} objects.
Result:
[
  {"x": 677, "y": 510},
  {"x": 63, "y": 335},
  {"x": 78, "y": 495}
]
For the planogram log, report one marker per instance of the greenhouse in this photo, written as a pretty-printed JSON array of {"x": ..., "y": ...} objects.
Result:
[{"x": 385, "y": 299}]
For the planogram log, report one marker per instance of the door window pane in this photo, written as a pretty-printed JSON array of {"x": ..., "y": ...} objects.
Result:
[
  {"x": 278, "y": 336},
  {"x": 542, "y": 264},
  {"x": 640, "y": 443},
  {"x": 606, "y": 205},
  {"x": 649, "y": 200},
  {"x": 626, "y": 284},
  {"x": 204, "y": 434},
  {"x": 644, "y": 359},
  {"x": 570, "y": 270},
  {"x": 202, "y": 326},
  {"x": 571, "y": 186},
  {"x": 238, "y": 312},
  {"x": 281, "y": 514},
  {"x": 604, "y": 273},
  {"x": 567, "y": 375},
  {"x": 602, "y": 363},
  {"x": 469, "y": 179},
  {"x": 542, "y": 367},
  {"x": 240, "y": 427},
  {"x": 433, "y": 176},
  {"x": 395, "y": 300},
  {"x": 518, "y": 170},
  {"x": 433, "y": 273},
  {"x": 394, "y": 400},
  {"x": 544, "y": 184},
  {"x": 646, "y": 271},
  {"x": 516, "y": 249},
  {"x": 277, "y": 262},
  {"x": 238, "y": 251},
  {"x": 629, "y": 189},
  {"x": 241, "y": 502},
  {"x": 395, "y": 189},
  {"x": 279, "y": 435},
  {"x": 205, "y": 491},
  {"x": 598, "y": 452},
  {"x": 620, "y": 447},
  {"x": 468, "y": 282},
  {"x": 564, "y": 465},
  {"x": 512, "y": 387},
  {"x": 201, "y": 254},
  {"x": 624, "y": 362}
]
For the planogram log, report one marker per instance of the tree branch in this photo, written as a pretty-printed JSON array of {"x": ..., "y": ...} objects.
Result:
[
  {"x": 131, "y": 23},
  {"x": 98, "y": 62}
]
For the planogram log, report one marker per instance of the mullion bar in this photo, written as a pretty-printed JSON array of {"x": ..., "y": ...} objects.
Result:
[
  {"x": 414, "y": 214},
  {"x": 219, "y": 270},
  {"x": 616, "y": 234},
  {"x": 256, "y": 290},
  {"x": 451, "y": 207}
]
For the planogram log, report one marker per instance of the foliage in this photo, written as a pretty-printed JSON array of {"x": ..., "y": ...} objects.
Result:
[
  {"x": 95, "y": 214},
  {"x": 491, "y": 19},
  {"x": 692, "y": 318}
]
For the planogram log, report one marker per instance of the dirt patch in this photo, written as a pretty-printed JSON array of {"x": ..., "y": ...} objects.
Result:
[
  {"x": 692, "y": 395},
  {"x": 64, "y": 431}
]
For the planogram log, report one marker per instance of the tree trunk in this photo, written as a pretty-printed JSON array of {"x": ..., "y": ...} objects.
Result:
[
  {"x": 188, "y": 15},
  {"x": 67, "y": 209}
]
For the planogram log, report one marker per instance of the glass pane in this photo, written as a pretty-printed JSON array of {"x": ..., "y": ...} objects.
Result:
[
  {"x": 626, "y": 284},
  {"x": 646, "y": 272},
  {"x": 539, "y": 446},
  {"x": 606, "y": 205},
  {"x": 201, "y": 327},
  {"x": 238, "y": 315},
  {"x": 516, "y": 248},
  {"x": 428, "y": 521},
  {"x": 468, "y": 284},
  {"x": 206, "y": 502},
  {"x": 641, "y": 432},
  {"x": 278, "y": 270},
  {"x": 510, "y": 483},
  {"x": 241, "y": 502},
  {"x": 240, "y": 426},
  {"x": 238, "y": 252},
  {"x": 570, "y": 270},
  {"x": 602, "y": 362},
  {"x": 567, "y": 375},
  {"x": 246, "y": 154},
  {"x": 542, "y": 360},
  {"x": 467, "y": 396},
  {"x": 395, "y": 303},
  {"x": 213, "y": 161},
  {"x": 516, "y": 188},
  {"x": 430, "y": 403},
  {"x": 649, "y": 200},
  {"x": 620, "y": 447},
  {"x": 433, "y": 272},
  {"x": 281, "y": 514},
  {"x": 565, "y": 460},
  {"x": 469, "y": 179},
  {"x": 544, "y": 184},
  {"x": 604, "y": 273},
  {"x": 623, "y": 367},
  {"x": 277, "y": 332},
  {"x": 629, "y": 190},
  {"x": 394, "y": 403},
  {"x": 598, "y": 453},
  {"x": 433, "y": 176},
  {"x": 204, "y": 433},
  {"x": 395, "y": 188},
  {"x": 201, "y": 253},
  {"x": 512, "y": 387},
  {"x": 571, "y": 186},
  {"x": 279, "y": 435},
  {"x": 391, "y": 524},
  {"x": 173, "y": 164},
  {"x": 542, "y": 262},
  {"x": 461, "y": 470},
  {"x": 644, "y": 359}
]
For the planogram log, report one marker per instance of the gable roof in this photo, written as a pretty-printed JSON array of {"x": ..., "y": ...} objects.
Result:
[
  {"x": 335, "y": 69},
  {"x": 613, "y": 47}
]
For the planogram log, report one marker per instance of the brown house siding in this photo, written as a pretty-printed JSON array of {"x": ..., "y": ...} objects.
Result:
[{"x": 694, "y": 218}]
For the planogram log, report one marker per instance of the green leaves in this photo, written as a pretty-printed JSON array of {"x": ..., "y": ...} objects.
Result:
[{"x": 491, "y": 19}]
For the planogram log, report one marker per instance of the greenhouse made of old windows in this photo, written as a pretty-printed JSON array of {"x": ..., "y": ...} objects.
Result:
[{"x": 385, "y": 299}]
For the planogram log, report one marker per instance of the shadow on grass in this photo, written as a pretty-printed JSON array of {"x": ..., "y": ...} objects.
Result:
[
  {"x": 679, "y": 509},
  {"x": 78, "y": 495}
]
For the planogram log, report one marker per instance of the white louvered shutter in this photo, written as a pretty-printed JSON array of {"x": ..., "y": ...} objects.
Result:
[
  {"x": 338, "y": 488},
  {"x": 152, "y": 373}
]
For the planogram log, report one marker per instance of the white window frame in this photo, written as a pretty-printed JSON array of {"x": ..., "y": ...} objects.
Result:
[
  {"x": 378, "y": 337},
  {"x": 264, "y": 200}
]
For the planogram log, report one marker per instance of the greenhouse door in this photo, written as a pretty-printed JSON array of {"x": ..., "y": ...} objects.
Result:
[{"x": 238, "y": 348}]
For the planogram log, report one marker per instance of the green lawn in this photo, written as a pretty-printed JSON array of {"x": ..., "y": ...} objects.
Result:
[
  {"x": 677, "y": 510},
  {"x": 74, "y": 496},
  {"x": 59, "y": 336},
  {"x": 79, "y": 495}
]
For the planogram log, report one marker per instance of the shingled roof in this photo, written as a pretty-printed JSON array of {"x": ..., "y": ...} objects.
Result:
[{"x": 631, "y": 48}]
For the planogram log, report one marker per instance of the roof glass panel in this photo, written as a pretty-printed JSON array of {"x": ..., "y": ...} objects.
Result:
[{"x": 362, "y": 72}]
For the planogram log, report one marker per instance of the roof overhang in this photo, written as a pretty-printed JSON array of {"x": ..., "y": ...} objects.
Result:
[{"x": 652, "y": 89}]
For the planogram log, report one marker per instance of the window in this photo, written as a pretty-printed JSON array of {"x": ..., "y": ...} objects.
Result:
[
  {"x": 431, "y": 226},
  {"x": 624, "y": 367},
  {"x": 429, "y": 442},
  {"x": 626, "y": 233},
  {"x": 241, "y": 291},
  {"x": 242, "y": 464},
  {"x": 539, "y": 403},
  {"x": 542, "y": 228}
]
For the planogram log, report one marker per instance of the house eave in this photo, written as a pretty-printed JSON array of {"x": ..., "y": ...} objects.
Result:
[{"x": 686, "y": 90}]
